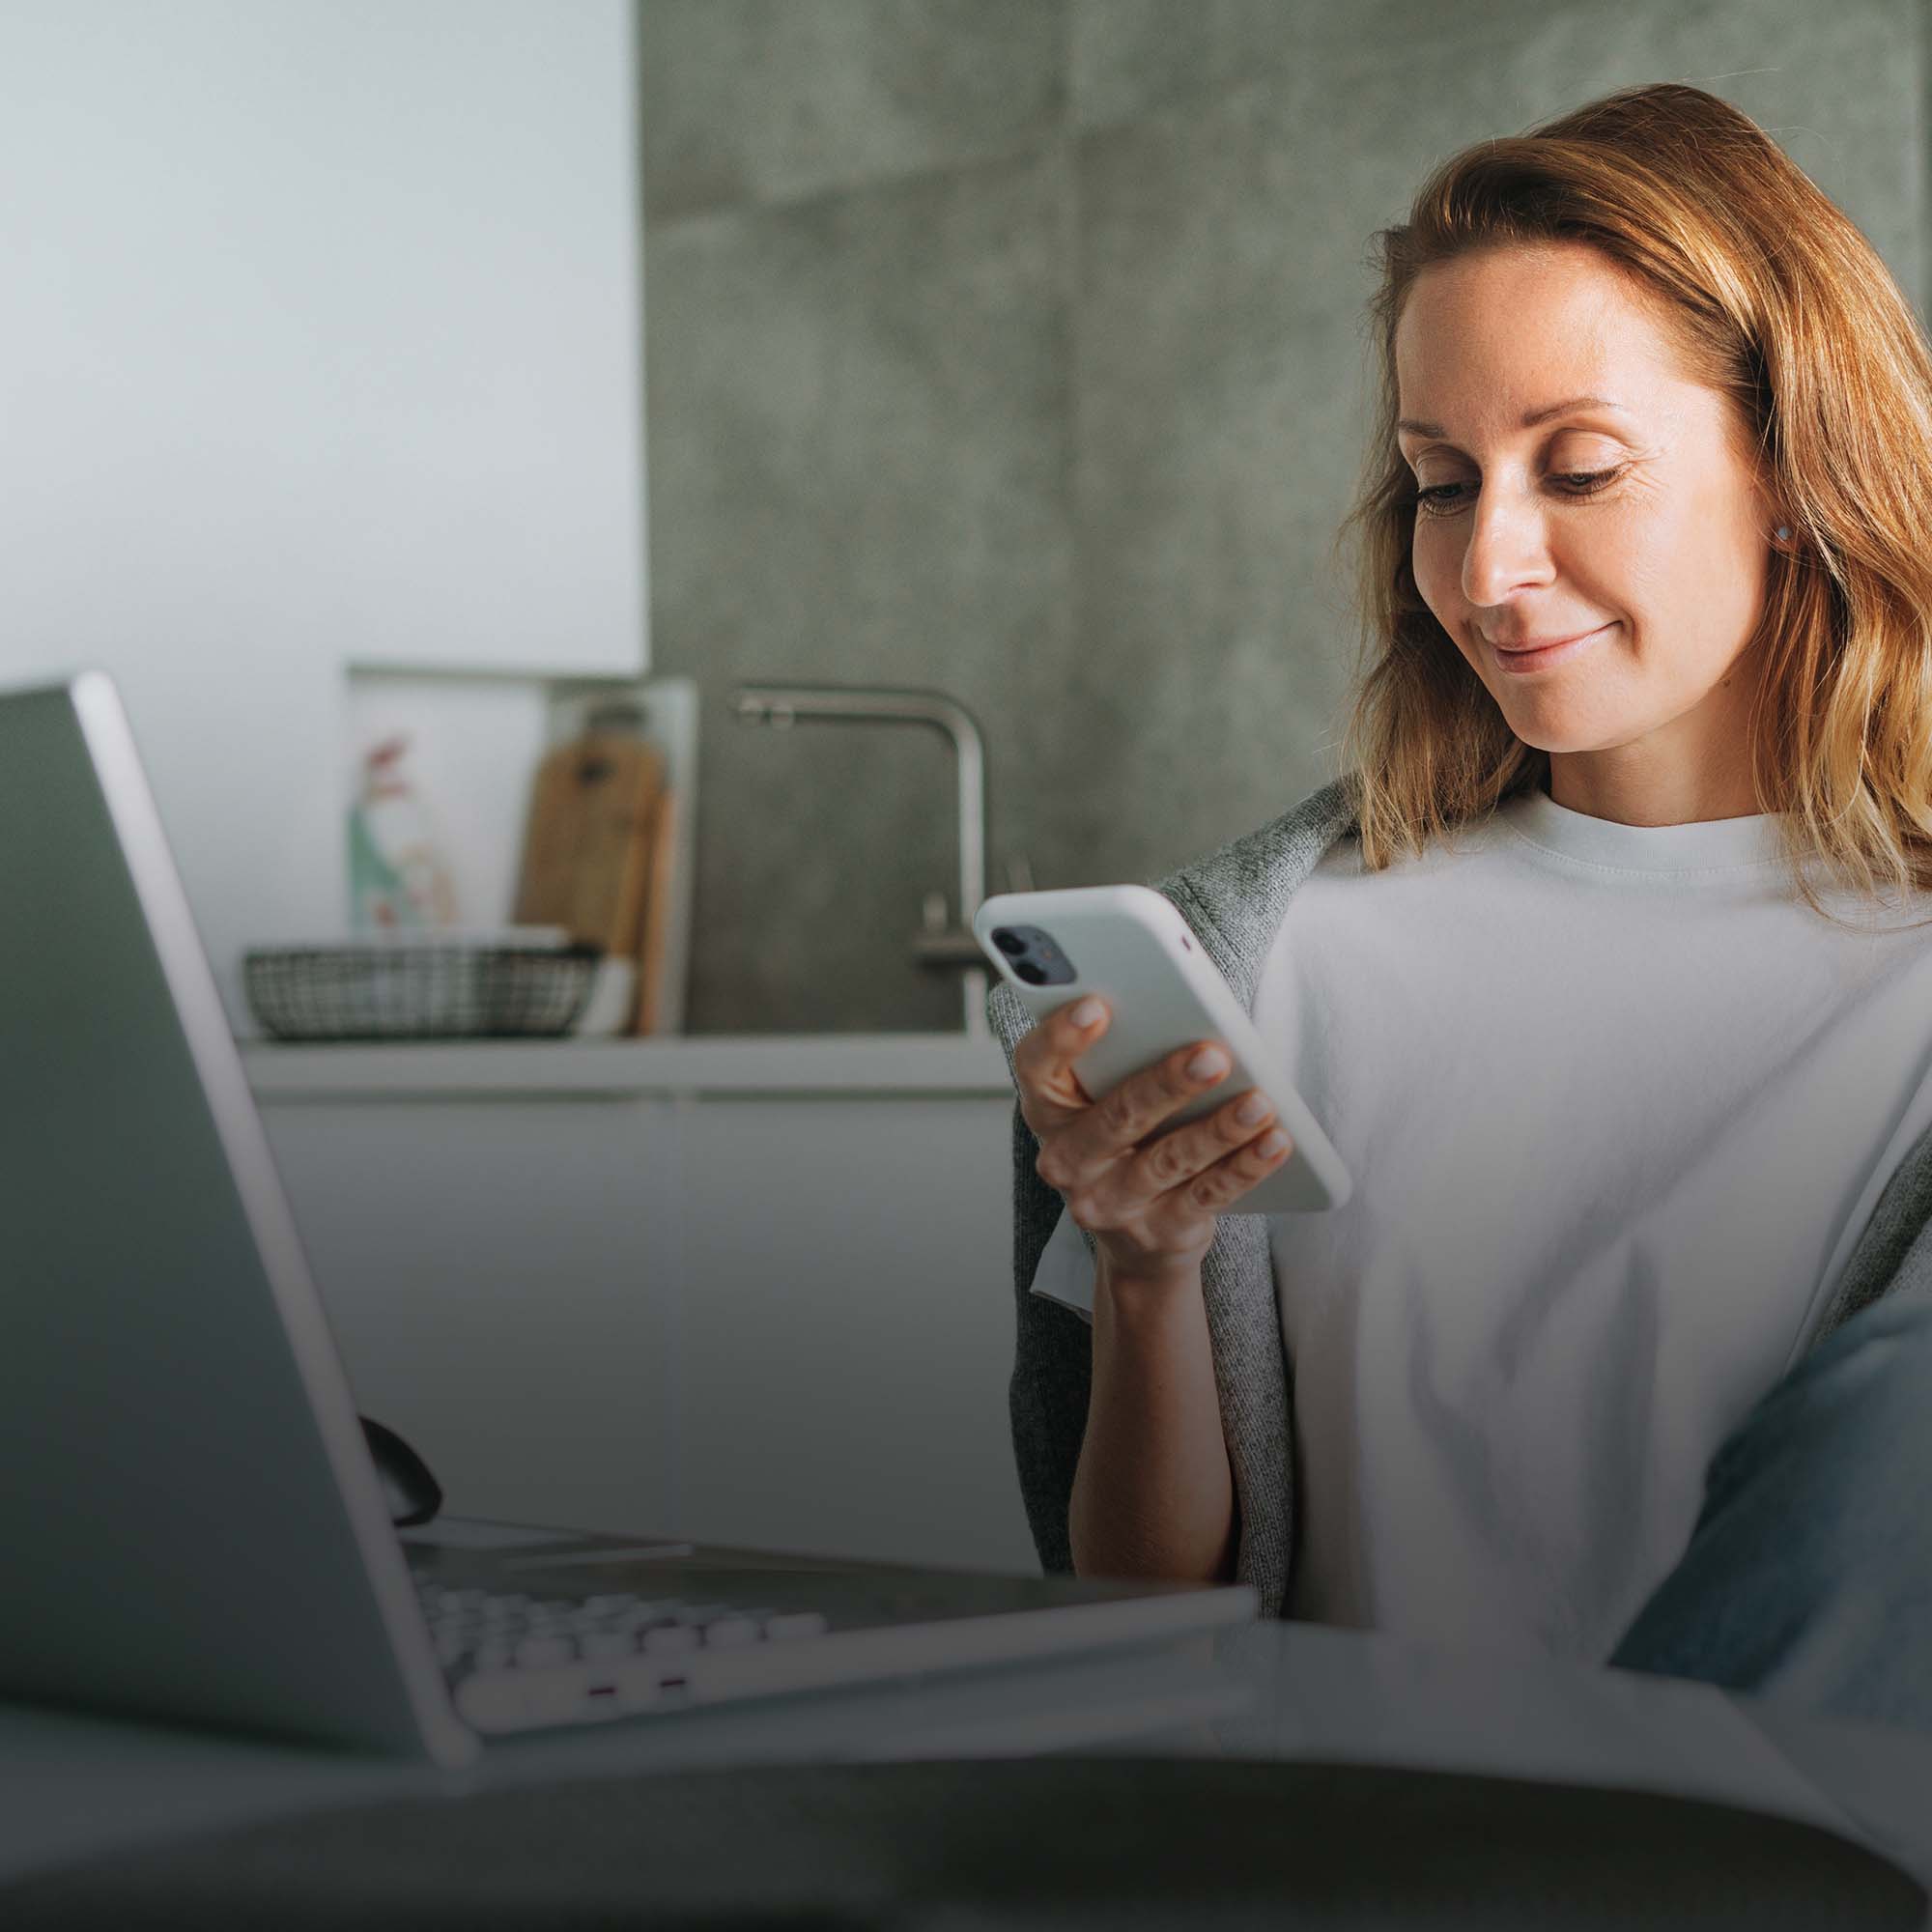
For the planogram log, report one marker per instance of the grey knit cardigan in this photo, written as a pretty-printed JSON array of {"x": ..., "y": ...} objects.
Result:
[{"x": 1235, "y": 900}]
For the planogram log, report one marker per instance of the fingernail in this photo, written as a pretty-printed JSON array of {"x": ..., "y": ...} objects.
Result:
[
  {"x": 1087, "y": 1014},
  {"x": 1272, "y": 1144},
  {"x": 1252, "y": 1111},
  {"x": 1206, "y": 1064}
]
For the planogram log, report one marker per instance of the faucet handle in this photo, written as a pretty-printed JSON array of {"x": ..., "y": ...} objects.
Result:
[{"x": 947, "y": 947}]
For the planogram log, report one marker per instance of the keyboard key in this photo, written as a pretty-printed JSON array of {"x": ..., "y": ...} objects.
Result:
[
  {"x": 533, "y": 1653},
  {"x": 795, "y": 1623},
  {"x": 640, "y": 1616},
  {"x": 607, "y": 1644},
  {"x": 666, "y": 1640}
]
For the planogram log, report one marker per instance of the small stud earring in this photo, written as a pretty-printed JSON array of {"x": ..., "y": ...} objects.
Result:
[{"x": 1785, "y": 532}]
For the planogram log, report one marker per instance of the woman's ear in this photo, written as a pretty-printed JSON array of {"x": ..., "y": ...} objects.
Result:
[{"x": 1768, "y": 492}]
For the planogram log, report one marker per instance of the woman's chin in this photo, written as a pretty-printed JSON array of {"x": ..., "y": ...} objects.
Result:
[
  {"x": 1544, "y": 732},
  {"x": 1557, "y": 724}
]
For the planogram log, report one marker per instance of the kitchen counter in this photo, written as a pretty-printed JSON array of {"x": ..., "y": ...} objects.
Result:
[{"x": 910, "y": 1063}]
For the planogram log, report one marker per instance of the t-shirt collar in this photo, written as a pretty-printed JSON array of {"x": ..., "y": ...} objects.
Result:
[{"x": 1707, "y": 845}]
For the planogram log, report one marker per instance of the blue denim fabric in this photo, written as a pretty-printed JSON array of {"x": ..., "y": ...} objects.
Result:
[{"x": 1808, "y": 1576}]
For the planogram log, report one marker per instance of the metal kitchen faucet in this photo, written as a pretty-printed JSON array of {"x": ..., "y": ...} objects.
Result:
[{"x": 940, "y": 943}]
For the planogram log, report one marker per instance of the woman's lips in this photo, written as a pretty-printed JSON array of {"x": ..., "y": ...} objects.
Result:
[{"x": 1534, "y": 657}]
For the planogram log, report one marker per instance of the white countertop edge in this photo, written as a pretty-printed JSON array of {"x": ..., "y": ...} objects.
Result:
[{"x": 914, "y": 1063}]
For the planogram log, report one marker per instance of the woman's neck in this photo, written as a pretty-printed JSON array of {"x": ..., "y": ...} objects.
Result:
[{"x": 1626, "y": 793}]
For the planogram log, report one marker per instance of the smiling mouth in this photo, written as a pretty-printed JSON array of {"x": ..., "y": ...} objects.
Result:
[{"x": 1531, "y": 649}]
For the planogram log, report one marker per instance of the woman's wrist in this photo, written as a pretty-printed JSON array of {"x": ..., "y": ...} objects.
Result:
[{"x": 1131, "y": 1286}]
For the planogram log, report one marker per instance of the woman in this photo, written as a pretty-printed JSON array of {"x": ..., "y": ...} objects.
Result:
[{"x": 1605, "y": 967}]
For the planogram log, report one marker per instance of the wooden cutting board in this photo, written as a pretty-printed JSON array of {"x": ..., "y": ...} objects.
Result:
[
  {"x": 654, "y": 926},
  {"x": 587, "y": 848}
]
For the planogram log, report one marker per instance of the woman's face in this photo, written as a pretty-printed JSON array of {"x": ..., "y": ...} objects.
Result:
[{"x": 1588, "y": 531}]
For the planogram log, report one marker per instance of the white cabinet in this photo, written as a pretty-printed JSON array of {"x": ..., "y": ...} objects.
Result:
[
  {"x": 747, "y": 1293},
  {"x": 847, "y": 1327},
  {"x": 495, "y": 1277}
]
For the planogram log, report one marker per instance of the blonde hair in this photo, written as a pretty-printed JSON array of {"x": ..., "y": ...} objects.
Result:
[{"x": 1781, "y": 304}]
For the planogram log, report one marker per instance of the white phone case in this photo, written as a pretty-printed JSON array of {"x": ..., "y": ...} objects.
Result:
[{"x": 1132, "y": 947}]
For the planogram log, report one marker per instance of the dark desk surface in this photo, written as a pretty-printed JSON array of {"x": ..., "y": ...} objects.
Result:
[{"x": 75, "y": 1786}]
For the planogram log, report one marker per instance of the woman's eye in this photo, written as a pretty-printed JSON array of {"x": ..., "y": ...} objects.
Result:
[
  {"x": 1584, "y": 482},
  {"x": 1439, "y": 499},
  {"x": 1442, "y": 499}
]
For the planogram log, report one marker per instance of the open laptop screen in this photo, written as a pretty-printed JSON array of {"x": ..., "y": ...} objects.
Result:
[{"x": 192, "y": 1525}]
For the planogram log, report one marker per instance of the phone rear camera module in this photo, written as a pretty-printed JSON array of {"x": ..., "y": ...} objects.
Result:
[{"x": 1035, "y": 958}]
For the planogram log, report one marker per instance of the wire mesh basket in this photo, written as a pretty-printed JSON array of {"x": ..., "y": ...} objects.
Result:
[{"x": 420, "y": 991}]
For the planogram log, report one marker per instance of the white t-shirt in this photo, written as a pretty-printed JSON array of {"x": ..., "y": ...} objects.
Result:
[{"x": 1617, "y": 1106}]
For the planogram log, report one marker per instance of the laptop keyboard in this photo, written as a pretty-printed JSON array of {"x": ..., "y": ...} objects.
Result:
[{"x": 481, "y": 1633}]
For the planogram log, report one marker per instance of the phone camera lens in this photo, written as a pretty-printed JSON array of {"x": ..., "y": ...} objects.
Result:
[
  {"x": 1008, "y": 941},
  {"x": 1030, "y": 973}
]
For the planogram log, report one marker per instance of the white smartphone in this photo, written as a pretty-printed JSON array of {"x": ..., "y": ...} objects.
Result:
[{"x": 1132, "y": 947}]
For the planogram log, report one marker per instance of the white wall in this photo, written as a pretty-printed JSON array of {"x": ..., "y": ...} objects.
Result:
[{"x": 320, "y": 340}]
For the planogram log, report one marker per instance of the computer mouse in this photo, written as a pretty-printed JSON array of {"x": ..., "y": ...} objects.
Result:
[{"x": 412, "y": 1494}]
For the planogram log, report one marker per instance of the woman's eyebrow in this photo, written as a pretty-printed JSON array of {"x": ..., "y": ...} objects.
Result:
[{"x": 1530, "y": 421}]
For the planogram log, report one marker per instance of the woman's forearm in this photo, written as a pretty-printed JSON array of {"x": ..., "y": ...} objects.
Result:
[{"x": 1152, "y": 1496}]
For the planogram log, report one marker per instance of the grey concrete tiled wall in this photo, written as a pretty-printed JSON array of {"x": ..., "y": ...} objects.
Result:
[
  {"x": 751, "y": 100},
  {"x": 1014, "y": 348}
]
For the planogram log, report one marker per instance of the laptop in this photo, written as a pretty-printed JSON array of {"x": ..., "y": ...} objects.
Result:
[{"x": 194, "y": 1525}]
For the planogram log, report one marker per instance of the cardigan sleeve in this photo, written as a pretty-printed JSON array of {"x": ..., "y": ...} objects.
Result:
[{"x": 1894, "y": 1255}]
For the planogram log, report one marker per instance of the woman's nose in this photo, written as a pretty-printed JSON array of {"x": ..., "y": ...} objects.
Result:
[{"x": 1508, "y": 548}]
